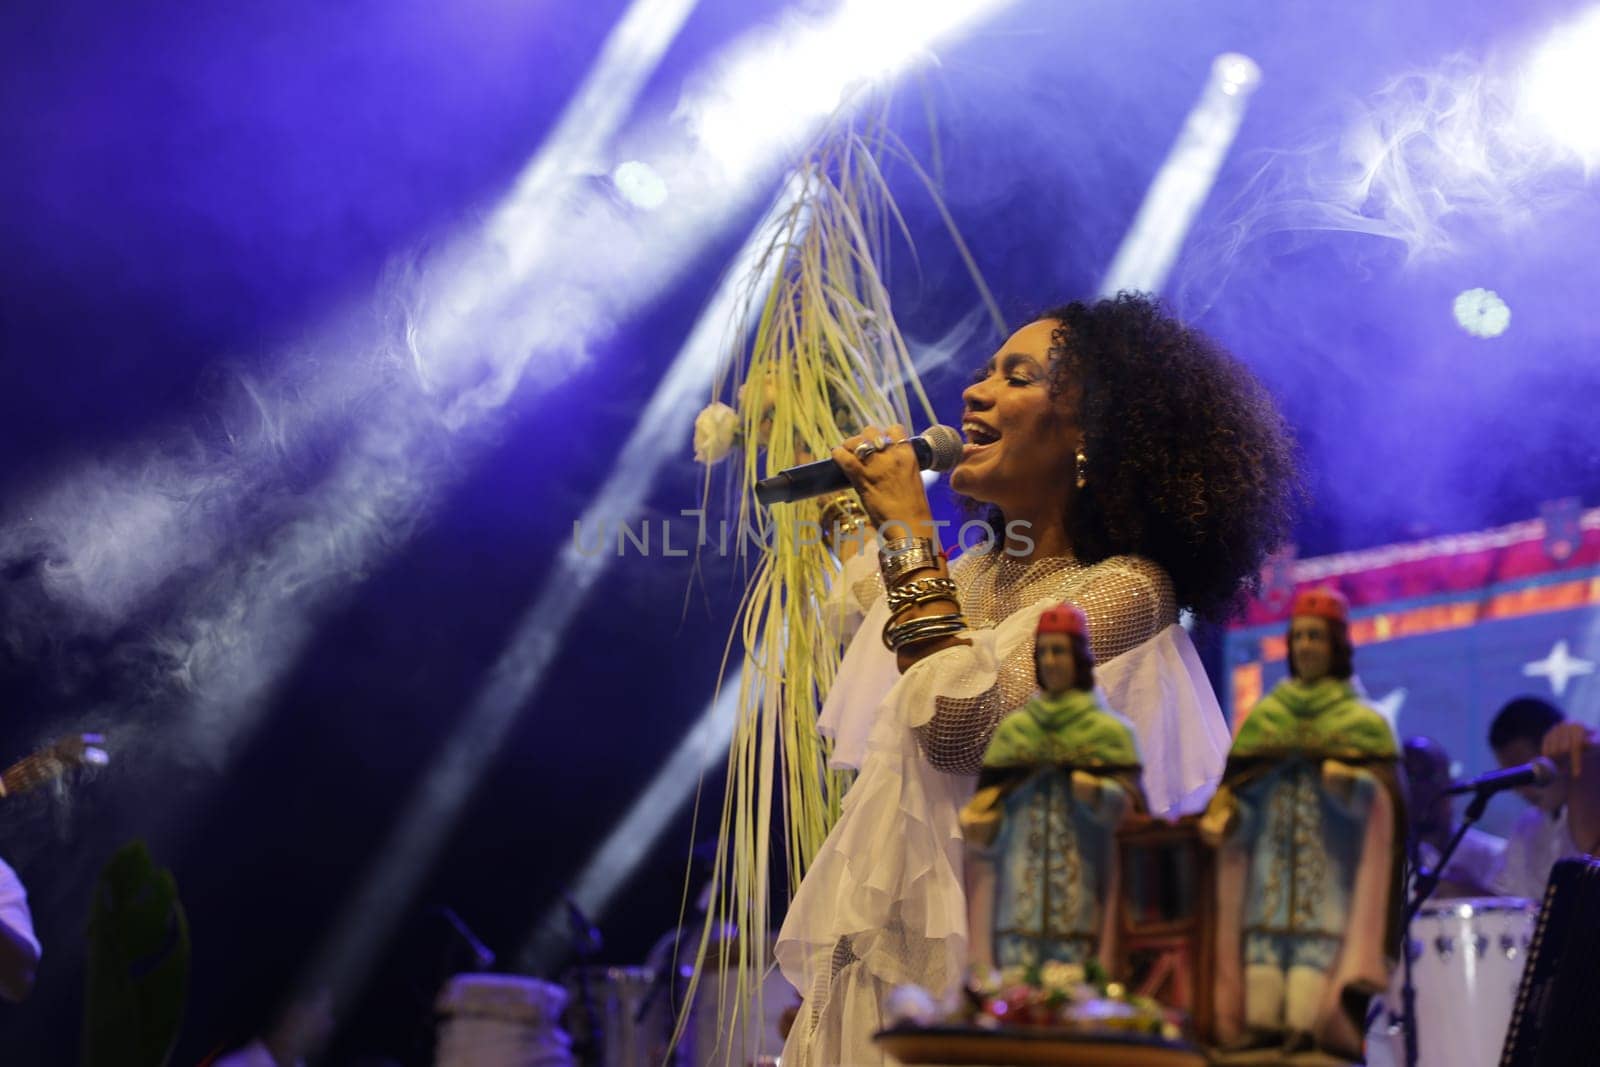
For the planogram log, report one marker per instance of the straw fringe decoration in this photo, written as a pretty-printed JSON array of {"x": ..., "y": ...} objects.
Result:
[{"x": 826, "y": 358}]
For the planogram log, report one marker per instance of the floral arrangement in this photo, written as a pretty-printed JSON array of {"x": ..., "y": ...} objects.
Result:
[{"x": 1064, "y": 996}]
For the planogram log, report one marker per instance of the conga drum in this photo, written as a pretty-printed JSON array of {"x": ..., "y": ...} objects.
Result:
[
  {"x": 1467, "y": 957},
  {"x": 618, "y": 1016},
  {"x": 730, "y": 1025},
  {"x": 501, "y": 1020}
]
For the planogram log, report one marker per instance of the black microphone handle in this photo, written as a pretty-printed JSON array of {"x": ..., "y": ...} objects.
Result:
[
  {"x": 821, "y": 476},
  {"x": 1537, "y": 772},
  {"x": 802, "y": 483}
]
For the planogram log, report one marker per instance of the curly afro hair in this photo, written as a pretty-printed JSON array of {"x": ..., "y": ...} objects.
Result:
[{"x": 1189, "y": 463}]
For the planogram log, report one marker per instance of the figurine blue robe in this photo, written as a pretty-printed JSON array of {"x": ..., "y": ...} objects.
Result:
[
  {"x": 1058, "y": 777},
  {"x": 1309, "y": 821}
]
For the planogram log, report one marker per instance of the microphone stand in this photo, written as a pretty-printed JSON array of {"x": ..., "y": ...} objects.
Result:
[
  {"x": 1427, "y": 882},
  {"x": 585, "y": 945}
]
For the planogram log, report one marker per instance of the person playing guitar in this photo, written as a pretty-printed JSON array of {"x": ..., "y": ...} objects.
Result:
[{"x": 19, "y": 947}]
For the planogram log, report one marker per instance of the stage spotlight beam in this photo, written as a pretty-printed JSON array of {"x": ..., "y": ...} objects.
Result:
[
  {"x": 610, "y": 866},
  {"x": 662, "y": 430},
  {"x": 1148, "y": 251}
]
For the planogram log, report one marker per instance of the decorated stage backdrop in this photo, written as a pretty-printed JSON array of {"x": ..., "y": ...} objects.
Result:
[{"x": 1448, "y": 630}]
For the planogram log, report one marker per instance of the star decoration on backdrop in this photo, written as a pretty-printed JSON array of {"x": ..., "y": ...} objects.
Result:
[{"x": 1560, "y": 667}]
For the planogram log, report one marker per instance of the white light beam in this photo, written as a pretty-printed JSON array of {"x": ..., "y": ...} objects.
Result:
[
  {"x": 662, "y": 431},
  {"x": 1151, "y": 245},
  {"x": 611, "y": 865}
]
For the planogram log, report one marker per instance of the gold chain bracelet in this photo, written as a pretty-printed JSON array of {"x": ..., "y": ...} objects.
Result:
[{"x": 921, "y": 591}]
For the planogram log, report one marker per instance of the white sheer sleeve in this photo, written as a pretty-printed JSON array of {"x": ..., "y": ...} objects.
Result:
[
  {"x": 867, "y": 673},
  {"x": 856, "y": 586},
  {"x": 1161, "y": 686}
]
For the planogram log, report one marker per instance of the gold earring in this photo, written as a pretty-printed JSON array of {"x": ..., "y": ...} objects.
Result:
[{"x": 1082, "y": 461}]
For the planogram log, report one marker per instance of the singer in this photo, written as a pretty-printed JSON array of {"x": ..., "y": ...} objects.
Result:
[{"x": 1150, "y": 472}]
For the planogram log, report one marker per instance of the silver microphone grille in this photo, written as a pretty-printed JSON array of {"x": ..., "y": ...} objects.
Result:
[
  {"x": 1544, "y": 771},
  {"x": 945, "y": 444}
]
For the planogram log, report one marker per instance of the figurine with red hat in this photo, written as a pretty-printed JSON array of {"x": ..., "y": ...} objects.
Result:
[
  {"x": 1060, "y": 774},
  {"x": 1309, "y": 822}
]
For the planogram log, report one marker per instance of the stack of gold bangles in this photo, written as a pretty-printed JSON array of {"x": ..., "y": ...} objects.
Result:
[{"x": 903, "y": 557}]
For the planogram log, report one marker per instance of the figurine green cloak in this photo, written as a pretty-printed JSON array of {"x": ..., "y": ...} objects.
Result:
[
  {"x": 1058, "y": 777},
  {"x": 1309, "y": 823}
]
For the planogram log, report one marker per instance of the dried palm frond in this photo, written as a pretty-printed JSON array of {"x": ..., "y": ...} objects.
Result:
[{"x": 825, "y": 358}]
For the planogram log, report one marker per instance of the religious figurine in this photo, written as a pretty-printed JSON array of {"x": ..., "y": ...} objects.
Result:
[
  {"x": 1309, "y": 823},
  {"x": 1058, "y": 777}
]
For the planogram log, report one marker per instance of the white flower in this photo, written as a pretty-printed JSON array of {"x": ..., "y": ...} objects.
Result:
[
  {"x": 911, "y": 1004},
  {"x": 714, "y": 430}
]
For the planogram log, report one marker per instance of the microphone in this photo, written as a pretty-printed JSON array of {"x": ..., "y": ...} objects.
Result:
[
  {"x": 1539, "y": 772},
  {"x": 938, "y": 449}
]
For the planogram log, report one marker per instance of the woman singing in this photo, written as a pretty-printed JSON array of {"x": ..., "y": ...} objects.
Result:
[{"x": 1123, "y": 463}]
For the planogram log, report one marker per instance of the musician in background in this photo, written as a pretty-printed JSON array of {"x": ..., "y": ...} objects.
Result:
[
  {"x": 1575, "y": 751},
  {"x": 1543, "y": 834},
  {"x": 19, "y": 948},
  {"x": 1476, "y": 863}
]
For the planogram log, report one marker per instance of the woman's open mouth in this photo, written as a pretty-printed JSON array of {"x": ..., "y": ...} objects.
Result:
[{"x": 979, "y": 437}]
